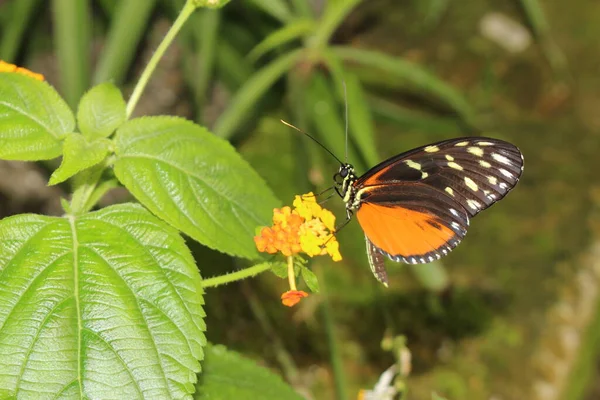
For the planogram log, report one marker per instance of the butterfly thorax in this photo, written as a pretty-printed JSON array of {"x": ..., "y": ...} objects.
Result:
[{"x": 344, "y": 186}]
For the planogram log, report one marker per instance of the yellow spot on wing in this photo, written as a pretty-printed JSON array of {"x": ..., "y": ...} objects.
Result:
[
  {"x": 485, "y": 164},
  {"x": 449, "y": 191},
  {"x": 454, "y": 165},
  {"x": 485, "y": 143},
  {"x": 432, "y": 149},
  {"x": 424, "y": 175},
  {"x": 493, "y": 180},
  {"x": 461, "y": 144},
  {"x": 478, "y": 151},
  {"x": 449, "y": 157},
  {"x": 412, "y": 164},
  {"x": 471, "y": 184}
]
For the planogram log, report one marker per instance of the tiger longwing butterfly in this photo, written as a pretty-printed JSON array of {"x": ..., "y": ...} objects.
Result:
[{"x": 415, "y": 207}]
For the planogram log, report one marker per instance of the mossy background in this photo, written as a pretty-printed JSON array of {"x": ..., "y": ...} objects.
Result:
[{"x": 512, "y": 313}]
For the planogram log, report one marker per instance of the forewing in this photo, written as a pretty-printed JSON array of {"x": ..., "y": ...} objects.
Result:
[{"x": 474, "y": 172}]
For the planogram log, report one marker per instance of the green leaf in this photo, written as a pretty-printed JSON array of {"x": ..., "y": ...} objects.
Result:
[
  {"x": 195, "y": 181},
  {"x": 289, "y": 32},
  {"x": 310, "y": 279},
  {"x": 33, "y": 119},
  {"x": 254, "y": 88},
  {"x": 107, "y": 305},
  {"x": 228, "y": 375},
  {"x": 361, "y": 123},
  {"x": 397, "y": 69},
  {"x": 327, "y": 118},
  {"x": 128, "y": 25},
  {"x": 79, "y": 154},
  {"x": 333, "y": 16},
  {"x": 277, "y": 9},
  {"x": 280, "y": 269},
  {"x": 101, "y": 111}
]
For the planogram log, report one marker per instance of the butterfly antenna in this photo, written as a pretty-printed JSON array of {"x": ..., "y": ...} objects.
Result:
[
  {"x": 315, "y": 140},
  {"x": 346, "y": 117}
]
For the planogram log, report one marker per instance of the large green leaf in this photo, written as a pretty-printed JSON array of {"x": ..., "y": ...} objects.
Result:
[
  {"x": 106, "y": 305},
  {"x": 227, "y": 375},
  {"x": 195, "y": 181},
  {"x": 33, "y": 119}
]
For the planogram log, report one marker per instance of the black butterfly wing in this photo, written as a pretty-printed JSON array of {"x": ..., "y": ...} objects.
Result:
[{"x": 415, "y": 207}]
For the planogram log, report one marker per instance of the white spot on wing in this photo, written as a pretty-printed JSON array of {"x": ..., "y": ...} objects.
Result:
[
  {"x": 461, "y": 144},
  {"x": 454, "y": 212},
  {"x": 485, "y": 143},
  {"x": 471, "y": 184},
  {"x": 493, "y": 180},
  {"x": 432, "y": 149},
  {"x": 474, "y": 205},
  {"x": 478, "y": 151},
  {"x": 501, "y": 159},
  {"x": 454, "y": 165},
  {"x": 506, "y": 173}
]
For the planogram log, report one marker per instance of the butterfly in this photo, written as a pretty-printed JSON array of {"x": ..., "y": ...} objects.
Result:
[{"x": 416, "y": 207}]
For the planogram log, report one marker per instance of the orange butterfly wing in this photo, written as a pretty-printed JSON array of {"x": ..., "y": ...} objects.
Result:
[{"x": 411, "y": 223}]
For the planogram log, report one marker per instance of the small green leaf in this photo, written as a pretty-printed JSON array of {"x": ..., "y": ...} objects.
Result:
[
  {"x": 289, "y": 32},
  {"x": 254, "y": 88},
  {"x": 361, "y": 123},
  {"x": 106, "y": 305},
  {"x": 310, "y": 279},
  {"x": 277, "y": 9},
  {"x": 228, "y": 375},
  {"x": 79, "y": 154},
  {"x": 280, "y": 269},
  {"x": 33, "y": 119},
  {"x": 195, "y": 181},
  {"x": 101, "y": 111}
]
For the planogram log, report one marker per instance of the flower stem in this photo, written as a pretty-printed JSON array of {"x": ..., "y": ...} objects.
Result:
[
  {"x": 291, "y": 275},
  {"x": 236, "y": 276},
  {"x": 185, "y": 13}
]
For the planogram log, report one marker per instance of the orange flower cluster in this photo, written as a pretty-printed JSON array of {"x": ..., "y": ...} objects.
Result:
[
  {"x": 8, "y": 67},
  {"x": 307, "y": 228},
  {"x": 283, "y": 236}
]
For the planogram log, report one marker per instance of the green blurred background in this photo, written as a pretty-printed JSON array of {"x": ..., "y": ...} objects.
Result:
[{"x": 513, "y": 312}]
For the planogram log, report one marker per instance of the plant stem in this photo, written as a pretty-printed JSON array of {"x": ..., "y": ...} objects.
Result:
[
  {"x": 236, "y": 276},
  {"x": 185, "y": 13},
  {"x": 291, "y": 275}
]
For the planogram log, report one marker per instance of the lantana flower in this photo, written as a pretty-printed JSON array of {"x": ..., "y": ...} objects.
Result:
[
  {"x": 307, "y": 228},
  {"x": 8, "y": 67}
]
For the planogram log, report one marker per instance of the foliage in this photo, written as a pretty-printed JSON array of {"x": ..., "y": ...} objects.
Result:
[{"x": 110, "y": 302}]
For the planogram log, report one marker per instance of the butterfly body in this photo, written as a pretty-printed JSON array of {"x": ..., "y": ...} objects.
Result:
[{"x": 416, "y": 207}]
